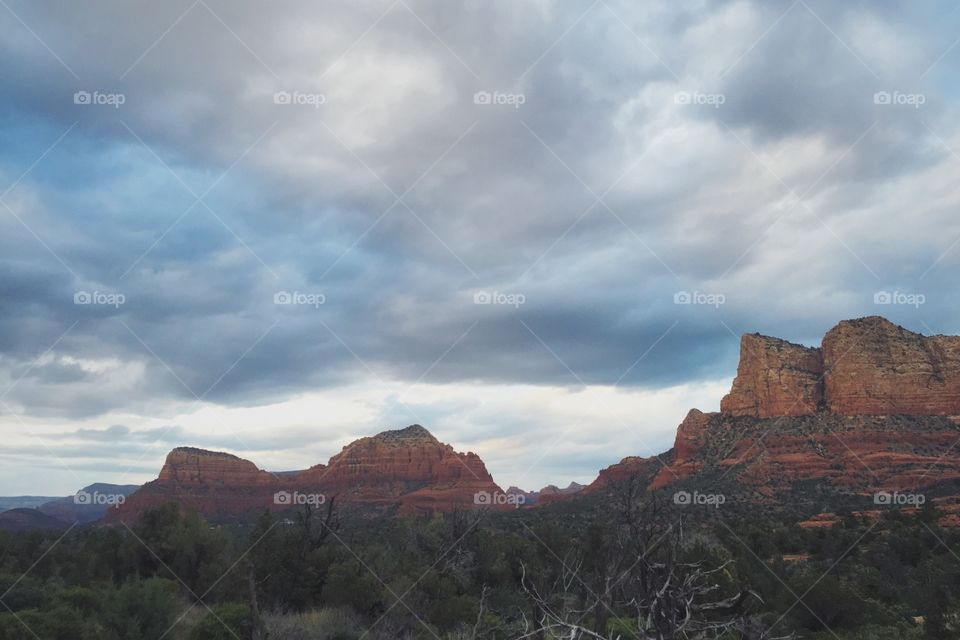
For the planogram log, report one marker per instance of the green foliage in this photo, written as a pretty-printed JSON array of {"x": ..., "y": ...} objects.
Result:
[
  {"x": 224, "y": 622},
  {"x": 858, "y": 580},
  {"x": 350, "y": 584}
]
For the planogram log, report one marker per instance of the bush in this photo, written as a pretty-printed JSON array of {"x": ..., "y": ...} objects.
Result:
[
  {"x": 213, "y": 626},
  {"x": 326, "y": 624}
]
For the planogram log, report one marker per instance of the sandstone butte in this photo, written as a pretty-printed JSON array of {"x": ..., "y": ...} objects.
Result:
[
  {"x": 407, "y": 468},
  {"x": 875, "y": 408}
]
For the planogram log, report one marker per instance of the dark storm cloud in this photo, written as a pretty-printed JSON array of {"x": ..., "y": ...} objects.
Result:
[{"x": 300, "y": 199}]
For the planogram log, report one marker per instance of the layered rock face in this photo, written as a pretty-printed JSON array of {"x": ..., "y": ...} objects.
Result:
[
  {"x": 868, "y": 366},
  {"x": 874, "y": 367},
  {"x": 775, "y": 378},
  {"x": 853, "y": 453},
  {"x": 216, "y": 484},
  {"x": 407, "y": 468},
  {"x": 189, "y": 466},
  {"x": 875, "y": 408}
]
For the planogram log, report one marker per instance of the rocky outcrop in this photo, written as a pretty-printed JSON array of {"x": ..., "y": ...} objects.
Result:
[
  {"x": 775, "y": 378},
  {"x": 691, "y": 434},
  {"x": 630, "y": 469},
  {"x": 188, "y": 466},
  {"x": 408, "y": 466},
  {"x": 867, "y": 366},
  {"x": 216, "y": 484},
  {"x": 859, "y": 454},
  {"x": 873, "y": 409},
  {"x": 408, "y": 469},
  {"x": 874, "y": 367}
]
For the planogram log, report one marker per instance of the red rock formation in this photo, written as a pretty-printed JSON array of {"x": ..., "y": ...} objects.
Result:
[
  {"x": 216, "y": 484},
  {"x": 408, "y": 468},
  {"x": 691, "y": 436},
  {"x": 190, "y": 466},
  {"x": 860, "y": 454},
  {"x": 876, "y": 367},
  {"x": 631, "y": 468},
  {"x": 775, "y": 378},
  {"x": 868, "y": 366},
  {"x": 873, "y": 409}
]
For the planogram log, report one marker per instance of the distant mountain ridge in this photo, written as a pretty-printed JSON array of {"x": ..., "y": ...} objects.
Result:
[
  {"x": 89, "y": 504},
  {"x": 24, "y": 502}
]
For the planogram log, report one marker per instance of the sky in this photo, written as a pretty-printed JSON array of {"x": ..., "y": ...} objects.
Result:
[{"x": 536, "y": 228}]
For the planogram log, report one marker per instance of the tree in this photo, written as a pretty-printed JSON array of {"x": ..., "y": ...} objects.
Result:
[{"x": 632, "y": 566}]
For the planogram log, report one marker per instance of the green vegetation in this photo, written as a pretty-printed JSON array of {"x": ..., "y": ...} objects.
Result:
[{"x": 626, "y": 567}]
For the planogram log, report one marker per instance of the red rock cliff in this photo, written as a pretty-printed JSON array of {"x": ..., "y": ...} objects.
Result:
[
  {"x": 874, "y": 367},
  {"x": 216, "y": 484},
  {"x": 868, "y": 366},
  {"x": 775, "y": 378},
  {"x": 874, "y": 408}
]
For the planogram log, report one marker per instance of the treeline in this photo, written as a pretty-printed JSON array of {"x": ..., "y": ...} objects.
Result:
[{"x": 632, "y": 569}]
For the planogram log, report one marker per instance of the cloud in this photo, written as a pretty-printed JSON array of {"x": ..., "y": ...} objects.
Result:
[{"x": 628, "y": 154}]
